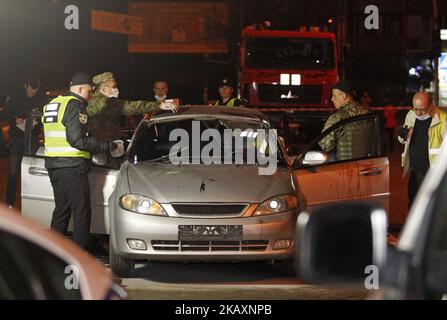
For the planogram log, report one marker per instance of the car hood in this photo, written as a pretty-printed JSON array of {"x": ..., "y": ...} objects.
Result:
[{"x": 167, "y": 183}]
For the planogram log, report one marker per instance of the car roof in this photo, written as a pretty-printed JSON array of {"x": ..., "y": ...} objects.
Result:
[
  {"x": 95, "y": 280},
  {"x": 201, "y": 110}
]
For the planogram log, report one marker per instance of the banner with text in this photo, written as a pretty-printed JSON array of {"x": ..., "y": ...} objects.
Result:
[
  {"x": 195, "y": 27},
  {"x": 116, "y": 22}
]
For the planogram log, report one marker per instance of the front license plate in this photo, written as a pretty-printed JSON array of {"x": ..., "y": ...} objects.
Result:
[{"x": 210, "y": 233}]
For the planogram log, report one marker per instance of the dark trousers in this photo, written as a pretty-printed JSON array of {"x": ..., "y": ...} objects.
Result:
[
  {"x": 72, "y": 197},
  {"x": 414, "y": 183},
  {"x": 389, "y": 134},
  {"x": 16, "y": 149}
]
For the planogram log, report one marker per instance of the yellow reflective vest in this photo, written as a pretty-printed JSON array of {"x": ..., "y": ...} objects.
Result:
[
  {"x": 436, "y": 134},
  {"x": 230, "y": 103},
  {"x": 56, "y": 144}
]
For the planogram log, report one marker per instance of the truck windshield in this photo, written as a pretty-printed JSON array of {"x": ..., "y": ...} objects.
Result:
[{"x": 290, "y": 53}]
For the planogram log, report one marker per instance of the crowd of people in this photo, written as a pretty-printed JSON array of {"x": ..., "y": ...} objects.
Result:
[
  {"x": 86, "y": 120},
  {"x": 83, "y": 121}
]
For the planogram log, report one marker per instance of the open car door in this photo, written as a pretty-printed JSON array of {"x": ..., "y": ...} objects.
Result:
[
  {"x": 37, "y": 193},
  {"x": 362, "y": 174}
]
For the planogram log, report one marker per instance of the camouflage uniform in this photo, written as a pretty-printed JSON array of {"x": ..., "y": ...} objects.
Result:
[
  {"x": 104, "y": 112},
  {"x": 350, "y": 109}
]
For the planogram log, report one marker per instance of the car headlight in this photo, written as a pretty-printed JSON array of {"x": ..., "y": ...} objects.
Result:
[
  {"x": 276, "y": 204},
  {"x": 141, "y": 204}
]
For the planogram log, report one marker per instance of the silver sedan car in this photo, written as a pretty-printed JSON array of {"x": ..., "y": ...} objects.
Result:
[
  {"x": 210, "y": 184},
  {"x": 203, "y": 206}
]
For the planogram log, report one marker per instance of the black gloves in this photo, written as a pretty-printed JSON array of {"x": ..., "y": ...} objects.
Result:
[
  {"x": 112, "y": 145},
  {"x": 403, "y": 133}
]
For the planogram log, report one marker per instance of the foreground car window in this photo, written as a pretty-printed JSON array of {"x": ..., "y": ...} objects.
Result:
[
  {"x": 436, "y": 255},
  {"x": 29, "y": 272},
  {"x": 152, "y": 141}
]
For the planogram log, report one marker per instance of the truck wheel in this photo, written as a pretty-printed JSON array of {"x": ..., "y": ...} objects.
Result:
[{"x": 122, "y": 267}]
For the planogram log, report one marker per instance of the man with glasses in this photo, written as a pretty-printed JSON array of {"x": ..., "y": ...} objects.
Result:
[{"x": 422, "y": 134}]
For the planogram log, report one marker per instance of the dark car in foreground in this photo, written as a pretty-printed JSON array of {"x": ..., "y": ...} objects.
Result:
[{"x": 346, "y": 244}]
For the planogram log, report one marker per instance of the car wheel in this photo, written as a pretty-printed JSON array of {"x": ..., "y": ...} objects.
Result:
[{"x": 120, "y": 266}]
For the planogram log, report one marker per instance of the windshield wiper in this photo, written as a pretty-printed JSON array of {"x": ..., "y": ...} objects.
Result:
[{"x": 162, "y": 158}]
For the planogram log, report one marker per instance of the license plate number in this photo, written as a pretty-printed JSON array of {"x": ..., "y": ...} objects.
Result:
[{"x": 217, "y": 232}]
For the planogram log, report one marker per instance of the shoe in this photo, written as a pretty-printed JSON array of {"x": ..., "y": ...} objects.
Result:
[{"x": 10, "y": 207}]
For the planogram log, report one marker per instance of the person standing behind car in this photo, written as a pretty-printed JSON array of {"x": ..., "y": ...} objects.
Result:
[
  {"x": 68, "y": 149},
  {"x": 104, "y": 108},
  {"x": 389, "y": 114},
  {"x": 422, "y": 134},
  {"x": 160, "y": 90},
  {"x": 16, "y": 111},
  {"x": 226, "y": 95},
  {"x": 337, "y": 140}
]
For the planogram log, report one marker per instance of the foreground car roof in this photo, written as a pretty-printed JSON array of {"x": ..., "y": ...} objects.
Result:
[
  {"x": 200, "y": 110},
  {"x": 95, "y": 280}
]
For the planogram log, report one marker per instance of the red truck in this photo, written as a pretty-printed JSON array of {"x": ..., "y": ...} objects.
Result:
[{"x": 288, "y": 70}]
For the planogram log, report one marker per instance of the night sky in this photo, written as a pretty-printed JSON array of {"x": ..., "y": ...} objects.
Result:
[{"x": 34, "y": 40}]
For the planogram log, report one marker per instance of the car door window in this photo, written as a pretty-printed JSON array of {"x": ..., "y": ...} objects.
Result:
[
  {"x": 436, "y": 253},
  {"x": 299, "y": 130},
  {"x": 354, "y": 138},
  {"x": 30, "y": 272}
]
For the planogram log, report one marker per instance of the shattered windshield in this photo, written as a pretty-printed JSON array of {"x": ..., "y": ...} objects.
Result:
[
  {"x": 206, "y": 140},
  {"x": 290, "y": 53}
]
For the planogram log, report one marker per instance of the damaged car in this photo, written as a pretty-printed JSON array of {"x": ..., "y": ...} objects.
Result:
[{"x": 211, "y": 184}]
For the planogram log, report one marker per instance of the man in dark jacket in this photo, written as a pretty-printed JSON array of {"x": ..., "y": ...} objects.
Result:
[
  {"x": 68, "y": 149},
  {"x": 16, "y": 112}
]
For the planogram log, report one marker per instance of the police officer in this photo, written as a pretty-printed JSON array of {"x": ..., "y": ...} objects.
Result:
[
  {"x": 68, "y": 148},
  {"x": 226, "y": 95},
  {"x": 104, "y": 108}
]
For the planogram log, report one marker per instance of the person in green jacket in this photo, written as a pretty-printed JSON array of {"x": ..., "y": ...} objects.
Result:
[{"x": 104, "y": 108}]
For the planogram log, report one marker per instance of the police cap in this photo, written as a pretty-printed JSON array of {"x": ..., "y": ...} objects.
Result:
[
  {"x": 225, "y": 83},
  {"x": 80, "y": 79}
]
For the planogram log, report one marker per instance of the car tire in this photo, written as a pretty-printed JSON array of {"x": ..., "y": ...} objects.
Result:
[{"x": 122, "y": 267}]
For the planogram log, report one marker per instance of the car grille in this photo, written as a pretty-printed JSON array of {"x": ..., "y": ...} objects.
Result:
[
  {"x": 305, "y": 94},
  {"x": 208, "y": 210},
  {"x": 210, "y": 246}
]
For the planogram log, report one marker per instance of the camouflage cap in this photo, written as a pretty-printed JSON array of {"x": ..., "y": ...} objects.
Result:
[{"x": 106, "y": 76}]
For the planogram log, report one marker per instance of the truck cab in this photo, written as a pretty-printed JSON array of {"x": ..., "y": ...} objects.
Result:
[{"x": 283, "y": 70}]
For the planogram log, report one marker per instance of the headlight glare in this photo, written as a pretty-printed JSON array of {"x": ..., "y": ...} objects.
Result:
[
  {"x": 276, "y": 204},
  {"x": 141, "y": 204}
]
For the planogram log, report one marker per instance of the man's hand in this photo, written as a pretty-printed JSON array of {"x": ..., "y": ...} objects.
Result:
[
  {"x": 165, "y": 105},
  {"x": 117, "y": 148},
  {"x": 403, "y": 133}
]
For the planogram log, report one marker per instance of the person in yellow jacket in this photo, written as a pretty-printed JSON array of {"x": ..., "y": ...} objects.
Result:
[
  {"x": 68, "y": 149},
  {"x": 422, "y": 134},
  {"x": 226, "y": 95}
]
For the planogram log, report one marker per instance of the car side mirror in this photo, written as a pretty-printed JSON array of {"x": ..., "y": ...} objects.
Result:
[
  {"x": 99, "y": 159},
  {"x": 342, "y": 243},
  {"x": 313, "y": 158}
]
